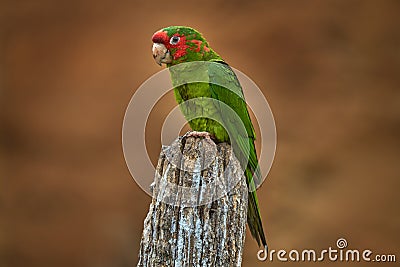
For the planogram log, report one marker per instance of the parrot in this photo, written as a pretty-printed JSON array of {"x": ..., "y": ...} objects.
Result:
[{"x": 175, "y": 45}]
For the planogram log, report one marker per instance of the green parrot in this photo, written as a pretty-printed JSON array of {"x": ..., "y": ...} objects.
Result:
[{"x": 178, "y": 44}]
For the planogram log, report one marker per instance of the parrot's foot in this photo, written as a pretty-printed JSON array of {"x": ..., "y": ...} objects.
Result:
[{"x": 206, "y": 135}]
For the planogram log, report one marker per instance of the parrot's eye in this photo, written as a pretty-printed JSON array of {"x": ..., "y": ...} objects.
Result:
[{"x": 174, "y": 40}]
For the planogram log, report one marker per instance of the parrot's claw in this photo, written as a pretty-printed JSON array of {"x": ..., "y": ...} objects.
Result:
[{"x": 195, "y": 134}]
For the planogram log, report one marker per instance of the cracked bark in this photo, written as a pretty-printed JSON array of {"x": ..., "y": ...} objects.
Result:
[{"x": 198, "y": 213}]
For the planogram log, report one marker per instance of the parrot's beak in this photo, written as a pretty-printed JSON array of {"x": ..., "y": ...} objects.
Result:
[{"x": 161, "y": 54}]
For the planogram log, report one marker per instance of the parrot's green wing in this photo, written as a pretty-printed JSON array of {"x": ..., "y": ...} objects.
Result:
[
  {"x": 242, "y": 142},
  {"x": 232, "y": 95}
]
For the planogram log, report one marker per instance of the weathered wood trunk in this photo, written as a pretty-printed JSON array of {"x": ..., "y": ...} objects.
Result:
[{"x": 199, "y": 209}]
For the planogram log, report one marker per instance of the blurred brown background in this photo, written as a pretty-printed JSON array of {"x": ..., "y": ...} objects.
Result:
[{"x": 330, "y": 70}]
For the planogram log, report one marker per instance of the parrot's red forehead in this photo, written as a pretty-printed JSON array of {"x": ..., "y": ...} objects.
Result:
[{"x": 160, "y": 37}]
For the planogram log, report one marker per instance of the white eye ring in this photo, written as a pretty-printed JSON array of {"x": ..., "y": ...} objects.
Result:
[{"x": 174, "y": 40}]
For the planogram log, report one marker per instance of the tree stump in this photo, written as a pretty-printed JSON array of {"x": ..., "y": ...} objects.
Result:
[{"x": 198, "y": 213}]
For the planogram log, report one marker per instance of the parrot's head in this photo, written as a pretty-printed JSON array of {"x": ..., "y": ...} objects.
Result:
[{"x": 177, "y": 44}]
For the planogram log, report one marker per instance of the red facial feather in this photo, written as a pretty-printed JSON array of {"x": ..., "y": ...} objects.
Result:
[
  {"x": 160, "y": 37},
  {"x": 198, "y": 43},
  {"x": 181, "y": 47}
]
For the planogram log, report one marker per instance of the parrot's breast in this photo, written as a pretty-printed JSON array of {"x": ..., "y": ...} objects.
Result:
[{"x": 201, "y": 112}]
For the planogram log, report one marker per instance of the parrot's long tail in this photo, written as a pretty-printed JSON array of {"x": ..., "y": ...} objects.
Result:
[
  {"x": 253, "y": 175},
  {"x": 253, "y": 215},
  {"x": 252, "y": 172}
]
